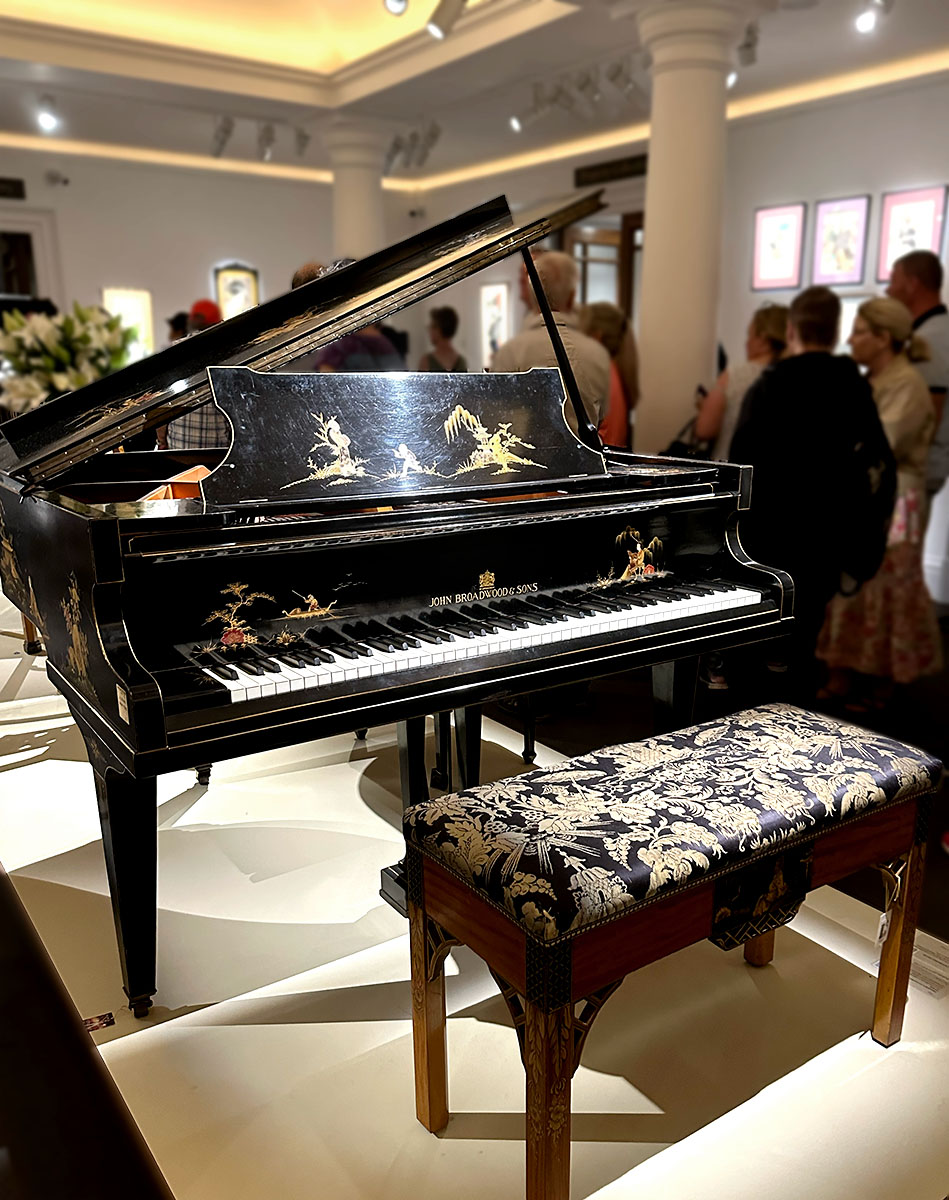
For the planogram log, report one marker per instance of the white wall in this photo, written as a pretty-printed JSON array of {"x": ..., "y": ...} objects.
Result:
[{"x": 164, "y": 229}]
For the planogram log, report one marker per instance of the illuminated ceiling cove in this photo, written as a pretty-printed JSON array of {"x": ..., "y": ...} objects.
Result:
[{"x": 312, "y": 35}]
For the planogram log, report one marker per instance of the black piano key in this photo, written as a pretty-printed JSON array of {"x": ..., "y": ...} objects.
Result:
[
  {"x": 401, "y": 641},
  {"x": 425, "y": 633},
  {"x": 335, "y": 643},
  {"x": 496, "y": 607},
  {"x": 529, "y": 616},
  {"x": 496, "y": 619}
]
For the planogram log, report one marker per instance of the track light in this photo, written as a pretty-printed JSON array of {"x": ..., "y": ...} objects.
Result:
[
  {"x": 301, "y": 139},
  {"x": 46, "y": 116},
  {"x": 396, "y": 7},
  {"x": 748, "y": 50},
  {"x": 442, "y": 20},
  {"x": 540, "y": 106},
  {"x": 222, "y": 135},
  {"x": 870, "y": 13},
  {"x": 430, "y": 135},
  {"x": 266, "y": 136},
  {"x": 396, "y": 147}
]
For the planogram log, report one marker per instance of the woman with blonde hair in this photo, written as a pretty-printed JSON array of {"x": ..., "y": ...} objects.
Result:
[
  {"x": 887, "y": 633},
  {"x": 610, "y": 326},
  {"x": 718, "y": 414}
]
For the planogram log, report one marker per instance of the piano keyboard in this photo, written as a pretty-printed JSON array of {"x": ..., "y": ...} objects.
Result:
[{"x": 339, "y": 652}]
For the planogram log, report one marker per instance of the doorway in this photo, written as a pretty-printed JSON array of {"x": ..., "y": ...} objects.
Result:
[{"x": 608, "y": 249}]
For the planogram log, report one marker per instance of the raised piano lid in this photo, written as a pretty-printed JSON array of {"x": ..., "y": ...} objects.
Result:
[{"x": 93, "y": 419}]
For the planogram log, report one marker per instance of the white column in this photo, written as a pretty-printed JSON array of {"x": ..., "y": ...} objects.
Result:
[
  {"x": 691, "y": 43},
  {"x": 356, "y": 150}
]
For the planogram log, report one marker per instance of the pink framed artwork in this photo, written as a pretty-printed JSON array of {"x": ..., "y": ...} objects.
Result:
[
  {"x": 840, "y": 241},
  {"x": 779, "y": 238},
  {"x": 910, "y": 220}
]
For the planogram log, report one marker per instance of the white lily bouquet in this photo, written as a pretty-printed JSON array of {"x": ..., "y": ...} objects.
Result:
[{"x": 42, "y": 356}]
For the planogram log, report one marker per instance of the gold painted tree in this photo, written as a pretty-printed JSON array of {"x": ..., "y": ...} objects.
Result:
[{"x": 237, "y": 629}]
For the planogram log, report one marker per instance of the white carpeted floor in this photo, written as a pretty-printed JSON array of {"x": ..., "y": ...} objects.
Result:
[{"x": 278, "y": 1060}]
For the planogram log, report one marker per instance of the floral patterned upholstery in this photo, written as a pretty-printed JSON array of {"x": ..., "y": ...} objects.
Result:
[{"x": 562, "y": 849}]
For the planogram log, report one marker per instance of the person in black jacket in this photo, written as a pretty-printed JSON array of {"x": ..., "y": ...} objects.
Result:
[{"x": 806, "y": 427}]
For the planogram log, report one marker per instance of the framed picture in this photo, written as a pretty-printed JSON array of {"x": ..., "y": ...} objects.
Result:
[
  {"x": 849, "y": 304},
  {"x": 236, "y": 288},
  {"x": 840, "y": 241},
  {"x": 134, "y": 306},
  {"x": 495, "y": 327},
  {"x": 910, "y": 221},
  {"x": 779, "y": 239}
]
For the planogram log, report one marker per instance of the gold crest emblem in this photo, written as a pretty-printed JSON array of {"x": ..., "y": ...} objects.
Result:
[{"x": 486, "y": 580}]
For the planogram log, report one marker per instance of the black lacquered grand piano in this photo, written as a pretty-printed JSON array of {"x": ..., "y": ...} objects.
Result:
[{"x": 370, "y": 548}]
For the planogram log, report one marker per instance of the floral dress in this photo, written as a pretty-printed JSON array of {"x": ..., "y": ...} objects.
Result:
[{"x": 889, "y": 629}]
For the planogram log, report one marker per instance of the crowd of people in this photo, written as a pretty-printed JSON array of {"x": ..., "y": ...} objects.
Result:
[{"x": 868, "y": 436}]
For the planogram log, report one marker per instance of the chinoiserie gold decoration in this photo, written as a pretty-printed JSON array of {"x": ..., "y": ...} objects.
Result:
[
  {"x": 9, "y": 565},
  {"x": 643, "y": 560},
  {"x": 342, "y": 465},
  {"x": 77, "y": 652},
  {"x": 237, "y": 630},
  {"x": 312, "y": 608},
  {"x": 410, "y": 464},
  {"x": 491, "y": 449},
  {"x": 486, "y": 579}
]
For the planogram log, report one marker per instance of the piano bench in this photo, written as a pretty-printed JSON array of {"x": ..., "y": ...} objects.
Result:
[{"x": 566, "y": 879}]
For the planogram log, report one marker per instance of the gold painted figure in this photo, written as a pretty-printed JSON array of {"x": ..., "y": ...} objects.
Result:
[
  {"x": 492, "y": 449},
  {"x": 77, "y": 654},
  {"x": 313, "y": 608},
  {"x": 330, "y": 436},
  {"x": 643, "y": 560}
]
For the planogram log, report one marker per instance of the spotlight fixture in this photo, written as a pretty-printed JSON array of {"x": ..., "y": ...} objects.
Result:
[
  {"x": 301, "y": 139},
  {"x": 266, "y": 137},
  {"x": 430, "y": 135},
  {"x": 396, "y": 147},
  {"x": 748, "y": 50},
  {"x": 540, "y": 106},
  {"x": 442, "y": 20},
  {"x": 46, "y": 116},
  {"x": 396, "y": 7},
  {"x": 222, "y": 135},
  {"x": 731, "y": 79},
  {"x": 870, "y": 13}
]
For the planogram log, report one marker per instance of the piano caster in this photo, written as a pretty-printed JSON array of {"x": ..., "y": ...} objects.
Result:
[
  {"x": 361, "y": 735},
  {"x": 203, "y": 774},
  {"x": 140, "y": 1007},
  {"x": 438, "y": 779},
  {"x": 31, "y": 638}
]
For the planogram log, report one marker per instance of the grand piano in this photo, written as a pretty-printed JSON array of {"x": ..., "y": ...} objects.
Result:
[{"x": 370, "y": 548}]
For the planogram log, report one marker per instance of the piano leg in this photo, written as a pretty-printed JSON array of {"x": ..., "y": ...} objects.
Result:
[
  {"x": 673, "y": 694},
  {"x": 528, "y": 714},
  {"x": 468, "y": 743},
  {"x": 441, "y": 772},
  {"x": 203, "y": 774},
  {"x": 31, "y": 638},
  {"x": 130, "y": 841},
  {"x": 412, "y": 761}
]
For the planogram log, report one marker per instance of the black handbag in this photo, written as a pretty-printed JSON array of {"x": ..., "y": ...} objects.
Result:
[{"x": 686, "y": 445}]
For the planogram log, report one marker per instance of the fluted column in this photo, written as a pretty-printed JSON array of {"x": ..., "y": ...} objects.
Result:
[
  {"x": 356, "y": 150},
  {"x": 691, "y": 44}
]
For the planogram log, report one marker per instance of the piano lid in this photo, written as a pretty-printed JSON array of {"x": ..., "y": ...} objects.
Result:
[{"x": 93, "y": 419}]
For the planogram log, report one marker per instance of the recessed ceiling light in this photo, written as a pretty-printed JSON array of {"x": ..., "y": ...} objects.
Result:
[
  {"x": 866, "y": 22},
  {"x": 396, "y": 7},
  {"x": 515, "y": 124},
  {"x": 732, "y": 79},
  {"x": 46, "y": 115}
]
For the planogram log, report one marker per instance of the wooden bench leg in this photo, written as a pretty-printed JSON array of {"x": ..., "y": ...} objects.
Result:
[
  {"x": 896, "y": 955},
  {"x": 428, "y": 1025},
  {"x": 759, "y": 951},
  {"x": 548, "y": 1061}
]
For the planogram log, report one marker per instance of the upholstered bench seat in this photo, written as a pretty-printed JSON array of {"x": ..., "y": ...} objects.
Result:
[{"x": 566, "y": 879}]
